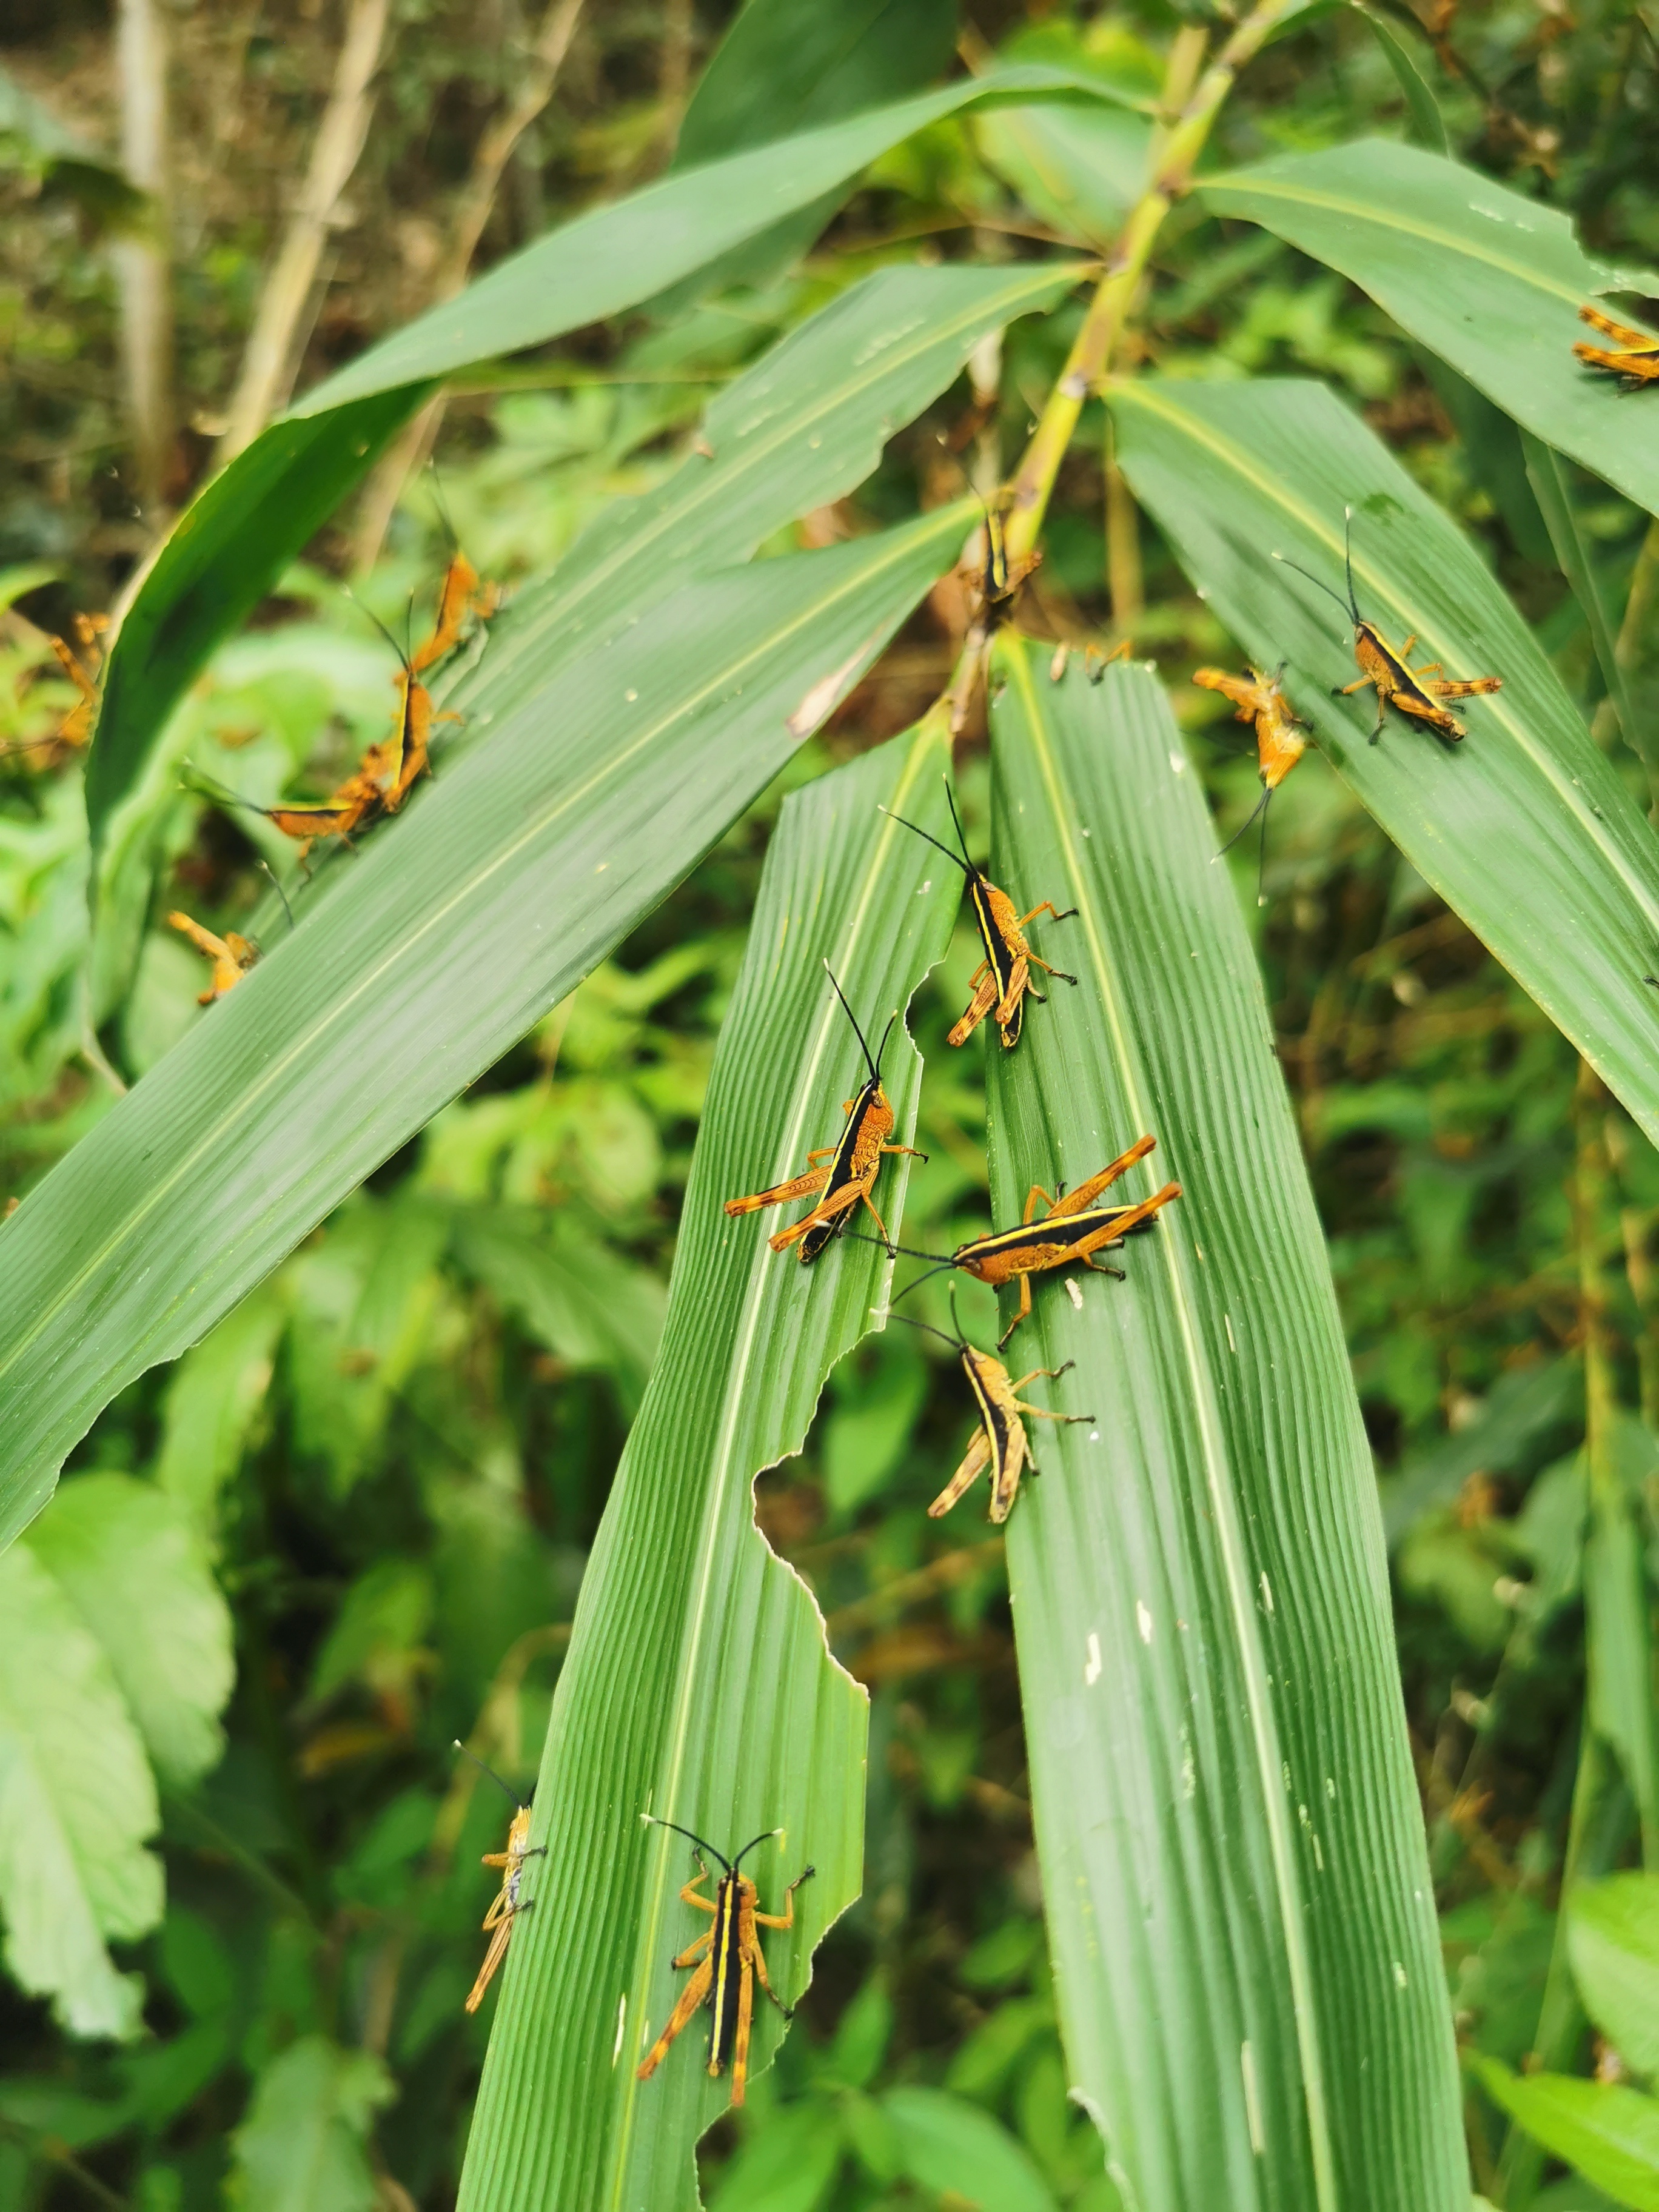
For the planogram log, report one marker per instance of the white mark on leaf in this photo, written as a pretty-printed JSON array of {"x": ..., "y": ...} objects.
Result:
[
  {"x": 1092, "y": 1668},
  {"x": 1143, "y": 1621},
  {"x": 1252, "y": 2101}
]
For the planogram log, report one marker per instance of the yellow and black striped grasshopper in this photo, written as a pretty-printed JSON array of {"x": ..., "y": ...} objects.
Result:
[
  {"x": 728, "y": 1959},
  {"x": 1073, "y": 1229},
  {"x": 1001, "y": 1446},
  {"x": 1407, "y": 690},
  {"x": 854, "y": 1162},
  {"x": 1635, "y": 362},
  {"x": 505, "y": 1907},
  {"x": 1003, "y": 979},
  {"x": 1280, "y": 744}
]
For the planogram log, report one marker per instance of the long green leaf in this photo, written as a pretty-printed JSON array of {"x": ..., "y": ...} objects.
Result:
[
  {"x": 1608, "y": 2133},
  {"x": 467, "y": 919},
  {"x": 1490, "y": 281},
  {"x": 1237, "y": 1892},
  {"x": 801, "y": 428},
  {"x": 1549, "y": 478},
  {"x": 698, "y": 1685},
  {"x": 1232, "y": 472},
  {"x": 235, "y": 540}
]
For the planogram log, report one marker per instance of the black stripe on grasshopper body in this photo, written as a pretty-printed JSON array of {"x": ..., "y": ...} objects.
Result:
[
  {"x": 1003, "y": 979},
  {"x": 728, "y": 1960}
]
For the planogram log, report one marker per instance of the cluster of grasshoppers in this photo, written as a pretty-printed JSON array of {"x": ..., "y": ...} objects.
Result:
[
  {"x": 727, "y": 1959},
  {"x": 382, "y": 780},
  {"x": 1066, "y": 1230}
]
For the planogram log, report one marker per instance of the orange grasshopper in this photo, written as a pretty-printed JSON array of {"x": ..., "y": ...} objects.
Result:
[
  {"x": 1000, "y": 1445},
  {"x": 1073, "y": 1229},
  {"x": 730, "y": 1962},
  {"x": 1003, "y": 979},
  {"x": 232, "y": 955},
  {"x": 1635, "y": 364},
  {"x": 382, "y": 780},
  {"x": 506, "y": 1907},
  {"x": 1280, "y": 743},
  {"x": 854, "y": 1162},
  {"x": 76, "y": 728},
  {"x": 460, "y": 596},
  {"x": 76, "y": 725},
  {"x": 1396, "y": 686}
]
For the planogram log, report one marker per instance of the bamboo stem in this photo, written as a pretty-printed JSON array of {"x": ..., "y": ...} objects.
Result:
[
  {"x": 537, "y": 78},
  {"x": 143, "y": 264},
  {"x": 270, "y": 363},
  {"x": 1173, "y": 157}
]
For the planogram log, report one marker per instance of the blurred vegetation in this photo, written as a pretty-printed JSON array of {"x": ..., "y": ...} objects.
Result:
[{"x": 351, "y": 1524}]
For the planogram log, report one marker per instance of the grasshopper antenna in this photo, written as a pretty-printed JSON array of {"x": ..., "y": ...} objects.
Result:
[
  {"x": 1347, "y": 557},
  {"x": 1260, "y": 807},
  {"x": 651, "y": 1820},
  {"x": 927, "y": 1326},
  {"x": 893, "y": 1251},
  {"x": 442, "y": 506},
  {"x": 750, "y": 1845},
  {"x": 882, "y": 1048},
  {"x": 511, "y": 1795},
  {"x": 1347, "y": 609},
  {"x": 265, "y": 868},
  {"x": 958, "y": 1343},
  {"x": 951, "y": 797},
  {"x": 874, "y": 1066},
  {"x": 401, "y": 650},
  {"x": 931, "y": 840}
]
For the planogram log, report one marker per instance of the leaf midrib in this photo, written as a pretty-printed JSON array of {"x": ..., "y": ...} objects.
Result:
[
  {"x": 809, "y": 1099},
  {"x": 236, "y": 1110},
  {"x": 1386, "y": 219},
  {"x": 1264, "y": 1734},
  {"x": 1270, "y": 489}
]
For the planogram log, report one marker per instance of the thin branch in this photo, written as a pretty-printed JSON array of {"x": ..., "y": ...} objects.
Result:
[
  {"x": 143, "y": 263},
  {"x": 536, "y": 79},
  {"x": 274, "y": 346}
]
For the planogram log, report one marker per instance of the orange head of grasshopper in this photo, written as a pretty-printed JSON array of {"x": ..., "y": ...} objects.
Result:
[
  {"x": 1261, "y": 700},
  {"x": 508, "y": 1904},
  {"x": 1409, "y": 691},
  {"x": 1002, "y": 982},
  {"x": 727, "y": 1959}
]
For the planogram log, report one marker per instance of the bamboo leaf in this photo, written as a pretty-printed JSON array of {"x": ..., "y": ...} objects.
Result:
[
  {"x": 1549, "y": 478},
  {"x": 236, "y": 538},
  {"x": 800, "y": 428},
  {"x": 1608, "y": 2133},
  {"x": 1613, "y": 1941},
  {"x": 1234, "y": 472},
  {"x": 698, "y": 1685},
  {"x": 1428, "y": 125},
  {"x": 1239, "y": 1906},
  {"x": 484, "y": 904},
  {"x": 1489, "y": 280}
]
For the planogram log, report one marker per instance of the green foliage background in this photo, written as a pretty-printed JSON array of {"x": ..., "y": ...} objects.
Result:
[{"x": 350, "y": 1523}]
